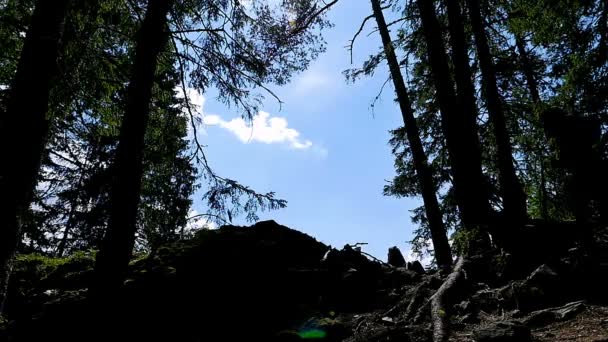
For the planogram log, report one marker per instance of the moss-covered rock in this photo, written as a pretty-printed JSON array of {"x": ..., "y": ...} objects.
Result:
[{"x": 38, "y": 279}]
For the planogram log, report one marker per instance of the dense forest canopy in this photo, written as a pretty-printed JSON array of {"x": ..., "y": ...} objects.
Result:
[
  {"x": 110, "y": 163},
  {"x": 532, "y": 74},
  {"x": 503, "y": 104}
]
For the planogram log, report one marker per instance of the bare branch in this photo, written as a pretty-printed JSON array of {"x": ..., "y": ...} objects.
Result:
[
  {"x": 377, "y": 97},
  {"x": 371, "y": 16},
  {"x": 352, "y": 41},
  {"x": 397, "y": 21}
]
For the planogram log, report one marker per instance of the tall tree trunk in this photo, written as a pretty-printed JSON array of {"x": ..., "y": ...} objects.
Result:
[
  {"x": 460, "y": 130},
  {"x": 117, "y": 246},
  {"x": 511, "y": 190},
  {"x": 465, "y": 90},
  {"x": 25, "y": 124},
  {"x": 527, "y": 68},
  {"x": 443, "y": 253},
  {"x": 532, "y": 84}
]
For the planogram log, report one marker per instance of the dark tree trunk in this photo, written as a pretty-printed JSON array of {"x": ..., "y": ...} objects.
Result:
[
  {"x": 443, "y": 254},
  {"x": 527, "y": 69},
  {"x": 511, "y": 190},
  {"x": 460, "y": 130},
  {"x": 117, "y": 246},
  {"x": 24, "y": 125},
  {"x": 465, "y": 91},
  {"x": 532, "y": 84}
]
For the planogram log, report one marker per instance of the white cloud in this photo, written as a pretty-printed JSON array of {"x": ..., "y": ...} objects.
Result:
[
  {"x": 320, "y": 151},
  {"x": 264, "y": 129},
  {"x": 313, "y": 81}
]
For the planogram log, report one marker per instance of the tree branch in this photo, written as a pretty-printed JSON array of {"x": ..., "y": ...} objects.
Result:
[
  {"x": 299, "y": 29},
  {"x": 352, "y": 41},
  {"x": 197, "y": 31}
]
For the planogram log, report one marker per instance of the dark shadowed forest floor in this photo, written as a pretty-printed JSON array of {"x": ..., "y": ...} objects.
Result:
[
  {"x": 270, "y": 283},
  {"x": 590, "y": 325}
]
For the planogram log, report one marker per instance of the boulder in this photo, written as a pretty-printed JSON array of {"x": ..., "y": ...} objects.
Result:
[
  {"x": 395, "y": 258},
  {"x": 487, "y": 300},
  {"x": 352, "y": 281},
  {"x": 543, "y": 275},
  {"x": 415, "y": 266},
  {"x": 541, "y": 289}
]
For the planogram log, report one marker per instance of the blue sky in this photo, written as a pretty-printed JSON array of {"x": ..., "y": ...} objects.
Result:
[{"x": 324, "y": 151}]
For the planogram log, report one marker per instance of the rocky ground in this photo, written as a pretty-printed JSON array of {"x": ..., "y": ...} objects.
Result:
[{"x": 270, "y": 283}]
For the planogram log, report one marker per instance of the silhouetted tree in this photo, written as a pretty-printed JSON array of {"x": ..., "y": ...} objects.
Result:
[
  {"x": 513, "y": 196},
  {"x": 460, "y": 131},
  {"x": 24, "y": 125},
  {"x": 71, "y": 205},
  {"x": 234, "y": 53},
  {"x": 527, "y": 68},
  {"x": 117, "y": 247},
  {"x": 428, "y": 188}
]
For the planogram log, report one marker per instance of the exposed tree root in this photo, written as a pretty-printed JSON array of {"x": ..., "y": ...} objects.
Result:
[
  {"x": 417, "y": 299},
  {"x": 439, "y": 304},
  {"x": 418, "y": 294}
]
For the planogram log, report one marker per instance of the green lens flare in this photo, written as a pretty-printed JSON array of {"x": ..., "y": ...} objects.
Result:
[{"x": 312, "y": 334}]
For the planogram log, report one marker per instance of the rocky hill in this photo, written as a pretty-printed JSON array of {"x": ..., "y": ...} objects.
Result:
[{"x": 271, "y": 283}]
